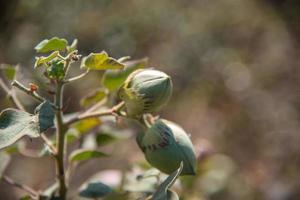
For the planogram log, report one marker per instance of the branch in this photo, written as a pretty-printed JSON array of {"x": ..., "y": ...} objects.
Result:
[
  {"x": 28, "y": 91},
  {"x": 77, "y": 77},
  {"x": 113, "y": 111},
  {"x": 26, "y": 188}
]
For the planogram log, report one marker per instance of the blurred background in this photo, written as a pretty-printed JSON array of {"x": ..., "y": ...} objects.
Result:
[{"x": 235, "y": 69}]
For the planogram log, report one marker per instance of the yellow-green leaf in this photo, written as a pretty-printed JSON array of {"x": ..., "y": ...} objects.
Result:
[
  {"x": 45, "y": 59},
  {"x": 100, "y": 61},
  {"x": 87, "y": 124}
]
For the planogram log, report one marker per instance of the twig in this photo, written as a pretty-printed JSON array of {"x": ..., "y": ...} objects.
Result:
[
  {"x": 12, "y": 95},
  {"x": 49, "y": 143},
  {"x": 26, "y": 188},
  {"x": 34, "y": 94},
  {"x": 77, "y": 77},
  {"x": 113, "y": 111}
]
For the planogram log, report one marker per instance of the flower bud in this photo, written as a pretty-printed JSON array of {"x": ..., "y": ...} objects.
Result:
[
  {"x": 146, "y": 91},
  {"x": 166, "y": 145}
]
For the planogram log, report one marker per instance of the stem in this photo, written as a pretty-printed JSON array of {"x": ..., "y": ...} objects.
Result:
[
  {"x": 26, "y": 188},
  {"x": 60, "y": 141},
  {"x": 113, "y": 111}
]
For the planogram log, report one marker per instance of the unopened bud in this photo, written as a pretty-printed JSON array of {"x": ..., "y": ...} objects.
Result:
[
  {"x": 166, "y": 145},
  {"x": 146, "y": 91}
]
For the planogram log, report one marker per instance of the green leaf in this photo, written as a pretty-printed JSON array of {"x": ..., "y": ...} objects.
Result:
[
  {"x": 104, "y": 139},
  {"x": 73, "y": 46},
  {"x": 53, "y": 44},
  {"x": 100, "y": 61},
  {"x": 4, "y": 161},
  {"x": 15, "y": 124},
  {"x": 94, "y": 190},
  {"x": 45, "y": 115},
  {"x": 113, "y": 79},
  {"x": 162, "y": 192},
  {"x": 9, "y": 71},
  {"x": 45, "y": 59},
  {"x": 85, "y": 154},
  {"x": 93, "y": 97}
]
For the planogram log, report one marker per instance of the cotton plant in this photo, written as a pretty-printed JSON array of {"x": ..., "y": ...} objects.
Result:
[{"x": 138, "y": 92}]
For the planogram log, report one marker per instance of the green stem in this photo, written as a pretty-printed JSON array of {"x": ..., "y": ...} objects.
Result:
[{"x": 60, "y": 141}]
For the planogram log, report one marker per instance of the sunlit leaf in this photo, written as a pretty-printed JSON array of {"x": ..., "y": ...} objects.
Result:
[
  {"x": 53, "y": 44},
  {"x": 9, "y": 71},
  {"x": 85, "y": 154},
  {"x": 93, "y": 97},
  {"x": 113, "y": 79},
  {"x": 162, "y": 191},
  {"x": 4, "y": 160},
  {"x": 45, "y": 59},
  {"x": 100, "y": 61},
  {"x": 94, "y": 190},
  {"x": 15, "y": 124}
]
